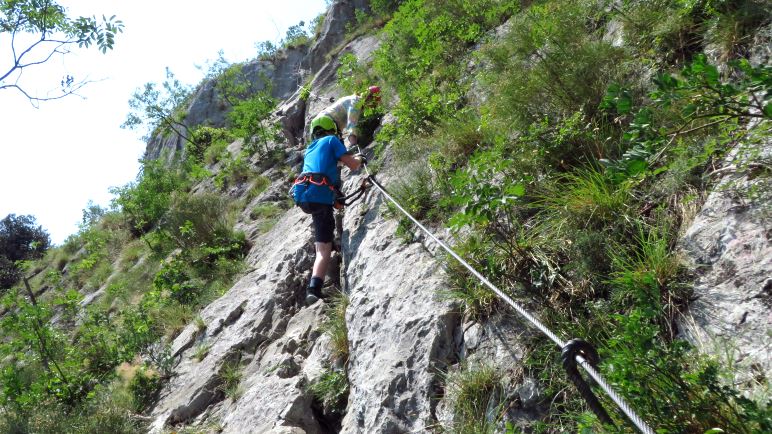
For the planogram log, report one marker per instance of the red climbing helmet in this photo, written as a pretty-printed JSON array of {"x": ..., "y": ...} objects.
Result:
[{"x": 374, "y": 94}]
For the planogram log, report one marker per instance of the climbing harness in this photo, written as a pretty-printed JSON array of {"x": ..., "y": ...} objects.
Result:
[
  {"x": 318, "y": 179},
  {"x": 573, "y": 352}
]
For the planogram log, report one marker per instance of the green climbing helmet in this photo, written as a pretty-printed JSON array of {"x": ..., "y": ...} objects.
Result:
[{"x": 324, "y": 122}]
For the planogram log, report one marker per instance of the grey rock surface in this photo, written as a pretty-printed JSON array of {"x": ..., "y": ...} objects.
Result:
[
  {"x": 400, "y": 334},
  {"x": 285, "y": 73},
  {"x": 256, "y": 324},
  {"x": 333, "y": 32},
  {"x": 728, "y": 246}
]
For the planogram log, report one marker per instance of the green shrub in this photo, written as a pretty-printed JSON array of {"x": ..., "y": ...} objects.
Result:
[
  {"x": 475, "y": 397},
  {"x": 230, "y": 377},
  {"x": 196, "y": 220},
  {"x": 331, "y": 390},
  {"x": 234, "y": 170},
  {"x": 175, "y": 277},
  {"x": 416, "y": 192},
  {"x": 732, "y": 25},
  {"x": 422, "y": 56},
  {"x": 216, "y": 152},
  {"x": 146, "y": 200},
  {"x": 551, "y": 63},
  {"x": 265, "y": 211},
  {"x": 663, "y": 31},
  {"x": 203, "y": 138},
  {"x": 144, "y": 387},
  {"x": 249, "y": 121},
  {"x": 335, "y": 325},
  {"x": 666, "y": 32},
  {"x": 296, "y": 36},
  {"x": 259, "y": 185},
  {"x": 671, "y": 385},
  {"x": 583, "y": 199}
]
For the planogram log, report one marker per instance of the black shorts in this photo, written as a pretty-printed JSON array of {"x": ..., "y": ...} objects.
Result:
[{"x": 324, "y": 221}]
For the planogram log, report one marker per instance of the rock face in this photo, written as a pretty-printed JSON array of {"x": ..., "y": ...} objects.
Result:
[
  {"x": 729, "y": 247},
  {"x": 400, "y": 334},
  {"x": 286, "y": 73},
  {"x": 333, "y": 31},
  {"x": 247, "y": 366}
]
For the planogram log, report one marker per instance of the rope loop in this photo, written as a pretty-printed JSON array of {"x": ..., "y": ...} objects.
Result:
[{"x": 581, "y": 348}]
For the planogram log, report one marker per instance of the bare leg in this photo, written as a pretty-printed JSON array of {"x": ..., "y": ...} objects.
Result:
[{"x": 322, "y": 261}]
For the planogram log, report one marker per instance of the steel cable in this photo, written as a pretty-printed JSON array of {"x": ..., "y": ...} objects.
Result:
[{"x": 585, "y": 364}]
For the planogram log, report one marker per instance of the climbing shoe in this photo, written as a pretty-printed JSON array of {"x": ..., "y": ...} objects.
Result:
[
  {"x": 314, "y": 290},
  {"x": 312, "y": 294}
]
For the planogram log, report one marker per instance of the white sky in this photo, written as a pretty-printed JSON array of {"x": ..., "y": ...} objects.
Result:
[{"x": 55, "y": 158}]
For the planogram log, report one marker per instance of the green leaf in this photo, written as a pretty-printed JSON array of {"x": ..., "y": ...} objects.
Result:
[
  {"x": 689, "y": 110},
  {"x": 636, "y": 167},
  {"x": 516, "y": 190}
]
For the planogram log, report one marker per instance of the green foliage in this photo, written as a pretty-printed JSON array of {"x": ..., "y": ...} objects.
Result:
[
  {"x": 175, "y": 277},
  {"x": 98, "y": 252},
  {"x": 249, "y": 119},
  {"x": 475, "y": 395},
  {"x": 384, "y": 7},
  {"x": 305, "y": 92},
  {"x": 421, "y": 55},
  {"x": 203, "y": 138},
  {"x": 664, "y": 32},
  {"x": 335, "y": 325},
  {"x": 160, "y": 110},
  {"x": 145, "y": 201},
  {"x": 484, "y": 189},
  {"x": 477, "y": 299},
  {"x": 52, "y": 33},
  {"x": 233, "y": 170},
  {"x": 20, "y": 240},
  {"x": 230, "y": 376},
  {"x": 234, "y": 85},
  {"x": 704, "y": 95},
  {"x": 416, "y": 192},
  {"x": 331, "y": 389},
  {"x": 265, "y": 211},
  {"x": 296, "y": 36},
  {"x": 592, "y": 244},
  {"x": 110, "y": 412},
  {"x": 196, "y": 220},
  {"x": 210, "y": 252},
  {"x": 259, "y": 185},
  {"x": 143, "y": 387},
  {"x": 553, "y": 62},
  {"x": 584, "y": 198},
  {"x": 732, "y": 24},
  {"x": 266, "y": 50},
  {"x": 217, "y": 151},
  {"x": 696, "y": 99},
  {"x": 669, "y": 384}
]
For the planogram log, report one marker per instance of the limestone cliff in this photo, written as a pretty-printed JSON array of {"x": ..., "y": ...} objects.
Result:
[{"x": 402, "y": 335}]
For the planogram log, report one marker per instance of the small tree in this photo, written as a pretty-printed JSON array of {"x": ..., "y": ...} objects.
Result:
[
  {"x": 53, "y": 34},
  {"x": 20, "y": 240},
  {"x": 161, "y": 110}
]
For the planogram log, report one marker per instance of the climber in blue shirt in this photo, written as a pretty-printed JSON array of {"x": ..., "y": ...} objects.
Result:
[{"x": 315, "y": 192}]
